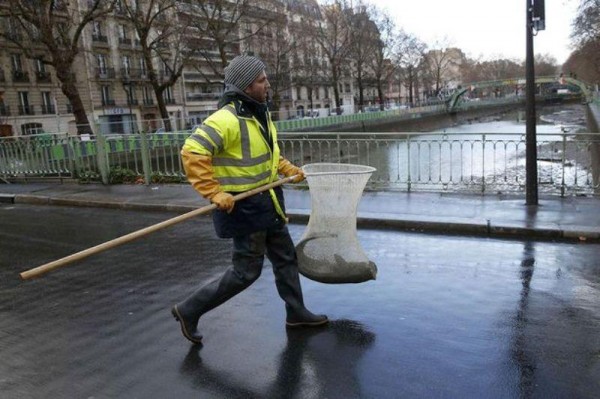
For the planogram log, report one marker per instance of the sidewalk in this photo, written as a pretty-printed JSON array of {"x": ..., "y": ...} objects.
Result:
[{"x": 573, "y": 218}]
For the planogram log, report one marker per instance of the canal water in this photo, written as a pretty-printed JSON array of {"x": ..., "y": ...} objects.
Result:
[{"x": 488, "y": 154}]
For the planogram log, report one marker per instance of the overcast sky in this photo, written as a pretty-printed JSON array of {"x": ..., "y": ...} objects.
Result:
[{"x": 487, "y": 28}]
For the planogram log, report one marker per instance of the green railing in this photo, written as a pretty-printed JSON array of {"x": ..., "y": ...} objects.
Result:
[
  {"x": 309, "y": 123},
  {"x": 476, "y": 162}
]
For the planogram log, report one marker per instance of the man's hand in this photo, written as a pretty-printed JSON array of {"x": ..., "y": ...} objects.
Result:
[
  {"x": 300, "y": 176},
  {"x": 223, "y": 201}
]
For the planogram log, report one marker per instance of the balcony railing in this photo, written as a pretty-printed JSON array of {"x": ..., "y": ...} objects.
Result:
[
  {"x": 26, "y": 110},
  {"x": 123, "y": 41},
  {"x": 203, "y": 96},
  {"x": 105, "y": 73},
  {"x": 133, "y": 73},
  {"x": 99, "y": 38},
  {"x": 133, "y": 101},
  {"x": 108, "y": 102},
  {"x": 43, "y": 77},
  {"x": 48, "y": 109},
  {"x": 20, "y": 76},
  {"x": 148, "y": 101},
  {"x": 4, "y": 110},
  {"x": 170, "y": 101}
]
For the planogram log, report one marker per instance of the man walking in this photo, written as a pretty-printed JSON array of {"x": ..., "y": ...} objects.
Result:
[{"x": 235, "y": 150}]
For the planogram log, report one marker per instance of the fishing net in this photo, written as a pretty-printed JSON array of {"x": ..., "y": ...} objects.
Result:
[{"x": 329, "y": 250}]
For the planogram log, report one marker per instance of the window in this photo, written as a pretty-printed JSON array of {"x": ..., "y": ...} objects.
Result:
[
  {"x": 106, "y": 95},
  {"x": 40, "y": 67},
  {"x": 16, "y": 62},
  {"x": 24, "y": 107},
  {"x": 101, "y": 58},
  {"x": 168, "y": 95},
  {"x": 148, "y": 95},
  {"x": 123, "y": 35},
  {"x": 126, "y": 61},
  {"x": 47, "y": 106},
  {"x": 97, "y": 29},
  {"x": 143, "y": 67}
]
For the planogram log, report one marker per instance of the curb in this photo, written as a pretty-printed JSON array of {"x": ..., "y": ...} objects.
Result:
[{"x": 482, "y": 228}]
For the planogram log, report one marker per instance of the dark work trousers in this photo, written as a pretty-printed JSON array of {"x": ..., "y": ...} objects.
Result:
[{"x": 248, "y": 258}]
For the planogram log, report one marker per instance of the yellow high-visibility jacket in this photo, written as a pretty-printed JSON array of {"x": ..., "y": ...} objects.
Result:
[{"x": 242, "y": 159}]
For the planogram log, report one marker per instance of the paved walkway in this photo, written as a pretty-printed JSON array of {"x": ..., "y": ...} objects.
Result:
[{"x": 576, "y": 218}]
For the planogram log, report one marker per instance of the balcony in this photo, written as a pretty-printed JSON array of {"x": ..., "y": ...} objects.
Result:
[
  {"x": 148, "y": 101},
  {"x": 107, "y": 102},
  {"x": 4, "y": 110},
  {"x": 105, "y": 73},
  {"x": 43, "y": 77},
  {"x": 20, "y": 77},
  {"x": 170, "y": 101},
  {"x": 202, "y": 96},
  {"x": 133, "y": 74},
  {"x": 26, "y": 110},
  {"x": 48, "y": 109},
  {"x": 133, "y": 101},
  {"x": 123, "y": 41},
  {"x": 99, "y": 39}
]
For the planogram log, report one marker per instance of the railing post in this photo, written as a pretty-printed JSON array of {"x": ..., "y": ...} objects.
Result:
[
  {"x": 564, "y": 151},
  {"x": 146, "y": 166},
  {"x": 101, "y": 156},
  {"x": 483, "y": 163},
  {"x": 408, "y": 177}
]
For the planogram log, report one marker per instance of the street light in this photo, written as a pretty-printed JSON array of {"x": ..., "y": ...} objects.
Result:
[{"x": 535, "y": 21}]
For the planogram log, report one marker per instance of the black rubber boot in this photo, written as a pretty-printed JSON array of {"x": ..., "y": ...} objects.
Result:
[
  {"x": 304, "y": 318},
  {"x": 287, "y": 281},
  {"x": 212, "y": 295},
  {"x": 189, "y": 328}
]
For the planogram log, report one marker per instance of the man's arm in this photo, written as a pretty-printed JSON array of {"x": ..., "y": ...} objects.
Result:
[{"x": 199, "y": 171}]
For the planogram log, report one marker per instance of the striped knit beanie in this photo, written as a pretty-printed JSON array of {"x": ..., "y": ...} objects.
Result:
[{"x": 242, "y": 70}]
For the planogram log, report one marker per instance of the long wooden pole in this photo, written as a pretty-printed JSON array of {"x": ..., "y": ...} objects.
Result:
[{"x": 43, "y": 269}]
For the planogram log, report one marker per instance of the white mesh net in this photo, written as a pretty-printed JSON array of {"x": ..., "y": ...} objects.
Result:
[{"x": 329, "y": 250}]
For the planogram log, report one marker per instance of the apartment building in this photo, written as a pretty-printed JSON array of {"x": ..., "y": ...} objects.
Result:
[{"x": 112, "y": 74}]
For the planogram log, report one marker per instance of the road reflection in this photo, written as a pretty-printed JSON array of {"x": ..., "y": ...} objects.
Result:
[{"x": 315, "y": 363}]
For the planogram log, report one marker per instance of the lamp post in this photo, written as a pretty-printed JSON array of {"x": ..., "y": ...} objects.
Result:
[{"x": 535, "y": 21}]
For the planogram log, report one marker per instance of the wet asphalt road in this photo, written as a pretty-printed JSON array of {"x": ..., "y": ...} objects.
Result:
[{"x": 448, "y": 317}]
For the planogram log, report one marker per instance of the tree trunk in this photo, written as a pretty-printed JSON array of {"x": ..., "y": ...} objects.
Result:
[
  {"x": 69, "y": 88},
  {"x": 162, "y": 108}
]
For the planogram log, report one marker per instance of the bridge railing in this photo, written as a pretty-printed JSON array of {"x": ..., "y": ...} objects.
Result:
[{"x": 470, "y": 162}]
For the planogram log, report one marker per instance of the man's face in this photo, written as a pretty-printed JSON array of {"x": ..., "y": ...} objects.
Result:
[{"x": 259, "y": 89}]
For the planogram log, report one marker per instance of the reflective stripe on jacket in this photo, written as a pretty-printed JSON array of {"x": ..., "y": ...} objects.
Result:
[{"x": 241, "y": 157}]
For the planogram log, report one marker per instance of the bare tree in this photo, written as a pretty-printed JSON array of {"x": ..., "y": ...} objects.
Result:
[
  {"x": 163, "y": 30},
  {"x": 584, "y": 62},
  {"x": 276, "y": 51},
  {"x": 332, "y": 35},
  {"x": 364, "y": 41},
  {"x": 57, "y": 27},
  {"x": 586, "y": 27},
  {"x": 439, "y": 63},
  {"x": 221, "y": 26},
  {"x": 380, "y": 63},
  {"x": 408, "y": 56}
]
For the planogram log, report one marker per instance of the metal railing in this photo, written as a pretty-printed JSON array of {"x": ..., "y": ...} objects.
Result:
[{"x": 479, "y": 163}]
